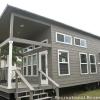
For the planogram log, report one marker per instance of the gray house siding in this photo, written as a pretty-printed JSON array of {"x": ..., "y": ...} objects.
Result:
[{"x": 75, "y": 78}]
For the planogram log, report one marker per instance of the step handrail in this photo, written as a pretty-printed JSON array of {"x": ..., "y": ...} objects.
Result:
[
  {"x": 51, "y": 80},
  {"x": 24, "y": 80}
]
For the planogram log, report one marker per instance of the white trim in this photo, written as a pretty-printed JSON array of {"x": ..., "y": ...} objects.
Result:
[
  {"x": 35, "y": 64},
  {"x": 45, "y": 40},
  {"x": 93, "y": 63},
  {"x": 64, "y": 38},
  {"x": 27, "y": 49},
  {"x": 29, "y": 65},
  {"x": 63, "y": 62},
  {"x": 46, "y": 53},
  {"x": 25, "y": 66},
  {"x": 83, "y": 63},
  {"x": 80, "y": 42},
  {"x": 33, "y": 47},
  {"x": 39, "y": 45}
]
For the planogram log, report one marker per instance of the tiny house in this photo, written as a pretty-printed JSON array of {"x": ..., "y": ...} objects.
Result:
[{"x": 54, "y": 55}]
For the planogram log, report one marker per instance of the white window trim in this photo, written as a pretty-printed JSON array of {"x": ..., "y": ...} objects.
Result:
[
  {"x": 64, "y": 62},
  {"x": 93, "y": 63},
  {"x": 80, "y": 43},
  {"x": 83, "y": 63},
  {"x": 35, "y": 64},
  {"x": 29, "y": 65},
  {"x": 64, "y": 38},
  {"x": 25, "y": 66}
]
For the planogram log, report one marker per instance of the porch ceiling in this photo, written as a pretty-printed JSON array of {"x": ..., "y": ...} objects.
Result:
[
  {"x": 22, "y": 28},
  {"x": 28, "y": 29}
]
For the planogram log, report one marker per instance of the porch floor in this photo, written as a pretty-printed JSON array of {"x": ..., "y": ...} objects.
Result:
[{"x": 23, "y": 87}]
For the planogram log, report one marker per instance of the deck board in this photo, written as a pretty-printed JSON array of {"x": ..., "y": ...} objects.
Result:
[{"x": 22, "y": 87}]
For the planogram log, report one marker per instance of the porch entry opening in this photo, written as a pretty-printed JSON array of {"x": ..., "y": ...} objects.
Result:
[{"x": 43, "y": 66}]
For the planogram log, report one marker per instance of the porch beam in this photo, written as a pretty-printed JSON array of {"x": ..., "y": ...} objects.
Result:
[
  {"x": 30, "y": 19},
  {"x": 4, "y": 42},
  {"x": 25, "y": 41}
]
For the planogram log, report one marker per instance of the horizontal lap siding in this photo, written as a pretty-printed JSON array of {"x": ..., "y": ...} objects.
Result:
[{"x": 75, "y": 78}]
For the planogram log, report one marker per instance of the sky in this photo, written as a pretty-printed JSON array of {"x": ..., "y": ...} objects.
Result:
[{"x": 81, "y": 14}]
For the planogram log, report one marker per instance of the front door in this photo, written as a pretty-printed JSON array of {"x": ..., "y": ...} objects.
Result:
[{"x": 43, "y": 65}]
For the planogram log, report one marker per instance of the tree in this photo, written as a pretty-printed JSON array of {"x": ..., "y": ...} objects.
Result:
[{"x": 16, "y": 54}]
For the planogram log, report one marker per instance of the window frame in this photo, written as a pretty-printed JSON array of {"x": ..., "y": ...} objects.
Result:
[
  {"x": 29, "y": 65},
  {"x": 35, "y": 64},
  {"x": 80, "y": 42},
  {"x": 93, "y": 63},
  {"x": 25, "y": 66},
  {"x": 63, "y": 62},
  {"x": 64, "y": 38},
  {"x": 83, "y": 63}
]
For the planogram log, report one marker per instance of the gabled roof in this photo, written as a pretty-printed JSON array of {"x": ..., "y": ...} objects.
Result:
[{"x": 10, "y": 9}]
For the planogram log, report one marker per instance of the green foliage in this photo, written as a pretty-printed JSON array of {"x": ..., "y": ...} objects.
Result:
[{"x": 17, "y": 53}]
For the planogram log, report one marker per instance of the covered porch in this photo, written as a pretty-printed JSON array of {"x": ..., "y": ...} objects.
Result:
[{"x": 22, "y": 31}]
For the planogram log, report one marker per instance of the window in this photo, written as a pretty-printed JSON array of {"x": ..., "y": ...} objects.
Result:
[
  {"x": 80, "y": 42},
  {"x": 34, "y": 65},
  {"x": 63, "y": 38},
  {"x": 24, "y": 65},
  {"x": 83, "y": 63},
  {"x": 63, "y": 62},
  {"x": 60, "y": 37},
  {"x": 29, "y": 65},
  {"x": 93, "y": 68}
]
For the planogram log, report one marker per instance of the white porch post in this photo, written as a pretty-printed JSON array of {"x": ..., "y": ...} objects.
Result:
[{"x": 10, "y": 64}]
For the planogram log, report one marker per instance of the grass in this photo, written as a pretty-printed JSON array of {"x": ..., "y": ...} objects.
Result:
[
  {"x": 91, "y": 93},
  {"x": 83, "y": 95}
]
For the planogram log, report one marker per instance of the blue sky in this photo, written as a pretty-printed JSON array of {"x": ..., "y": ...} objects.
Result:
[{"x": 82, "y": 14}]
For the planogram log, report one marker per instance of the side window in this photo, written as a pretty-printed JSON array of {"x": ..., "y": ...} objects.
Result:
[
  {"x": 63, "y": 62},
  {"x": 83, "y": 63},
  {"x": 93, "y": 68},
  {"x": 63, "y": 38},
  {"x": 60, "y": 37},
  {"x": 80, "y": 42}
]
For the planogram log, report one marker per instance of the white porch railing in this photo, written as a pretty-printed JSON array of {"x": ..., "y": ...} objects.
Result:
[
  {"x": 26, "y": 83},
  {"x": 53, "y": 82}
]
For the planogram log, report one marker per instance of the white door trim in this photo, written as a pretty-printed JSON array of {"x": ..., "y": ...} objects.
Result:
[{"x": 46, "y": 63}]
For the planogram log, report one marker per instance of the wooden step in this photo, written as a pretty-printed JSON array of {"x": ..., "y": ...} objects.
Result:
[
  {"x": 44, "y": 98},
  {"x": 38, "y": 94},
  {"x": 28, "y": 95}
]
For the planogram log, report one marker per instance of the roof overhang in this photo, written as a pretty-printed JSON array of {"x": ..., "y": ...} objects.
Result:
[{"x": 42, "y": 21}]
